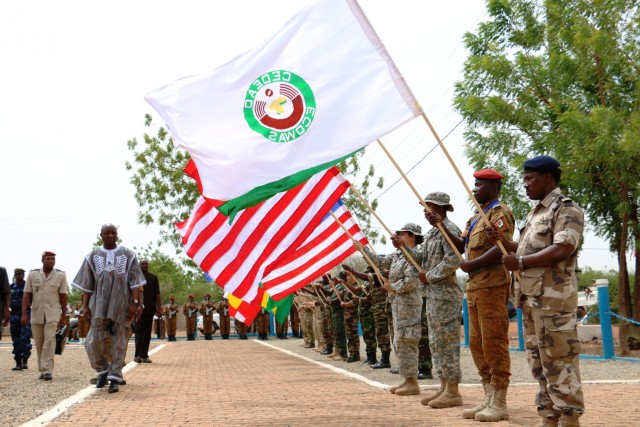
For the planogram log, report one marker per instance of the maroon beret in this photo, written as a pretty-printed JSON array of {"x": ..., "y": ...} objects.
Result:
[
  {"x": 47, "y": 253},
  {"x": 487, "y": 174}
]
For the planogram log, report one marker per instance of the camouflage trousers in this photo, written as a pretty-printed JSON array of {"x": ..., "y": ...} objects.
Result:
[
  {"x": 444, "y": 338},
  {"x": 424, "y": 351},
  {"x": 21, "y": 337},
  {"x": 380, "y": 318},
  {"x": 368, "y": 328},
  {"x": 295, "y": 321},
  {"x": 351, "y": 330},
  {"x": 552, "y": 345},
  {"x": 489, "y": 334},
  {"x": 326, "y": 327},
  {"x": 339, "y": 335},
  {"x": 307, "y": 326},
  {"x": 406, "y": 345}
]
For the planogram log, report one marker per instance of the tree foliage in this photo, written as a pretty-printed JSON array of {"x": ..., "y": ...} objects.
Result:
[{"x": 562, "y": 77}]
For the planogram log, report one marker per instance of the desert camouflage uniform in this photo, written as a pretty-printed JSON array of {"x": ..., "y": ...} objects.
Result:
[
  {"x": 406, "y": 307},
  {"x": 549, "y": 298},
  {"x": 326, "y": 327},
  {"x": 443, "y": 302},
  {"x": 487, "y": 296}
]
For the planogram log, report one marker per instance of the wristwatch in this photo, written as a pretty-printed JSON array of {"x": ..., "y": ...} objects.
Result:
[
  {"x": 136, "y": 302},
  {"x": 521, "y": 262}
]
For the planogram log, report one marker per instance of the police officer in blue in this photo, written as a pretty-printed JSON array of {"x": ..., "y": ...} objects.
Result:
[{"x": 21, "y": 335}]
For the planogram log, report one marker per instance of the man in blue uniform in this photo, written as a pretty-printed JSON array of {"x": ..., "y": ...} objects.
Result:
[{"x": 20, "y": 335}]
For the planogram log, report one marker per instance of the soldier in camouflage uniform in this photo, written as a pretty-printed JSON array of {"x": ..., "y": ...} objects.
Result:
[
  {"x": 350, "y": 309},
  {"x": 333, "y": 294},
  {"x": 407, "y": 302},
  {"x": 21, "y": 335},
  {"x": 295, "y": 322},
  {"x": 365, "y": 313},
  {"x": 487, "y": 295},
  {"x": 546, "y": 256},
  {"x": 443, "y": 302},
  {"x": 322, "y": 323}
]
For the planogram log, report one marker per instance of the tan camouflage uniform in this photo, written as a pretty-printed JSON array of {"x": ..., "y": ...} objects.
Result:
[{"x": 549, "y": 298}]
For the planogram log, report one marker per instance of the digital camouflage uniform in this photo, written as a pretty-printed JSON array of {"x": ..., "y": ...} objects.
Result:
[
  {"x": 549, "y": 298},
  {"x": 406, "y": 308},
  {"x": 443, "y": 302},
  {"x": 351, "y": 325},
  {"x": 424, "y": 351},
  {"x": 20, "y": 335},
  {"x": 487, "y": 296},
  {"x": 365, "y": 313}
]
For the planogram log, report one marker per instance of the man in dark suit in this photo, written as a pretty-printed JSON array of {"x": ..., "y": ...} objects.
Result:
[{"x": 151, "y": 306}]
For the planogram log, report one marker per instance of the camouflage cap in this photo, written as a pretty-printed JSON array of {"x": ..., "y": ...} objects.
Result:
[
  {"x": 414, "y": 229},
  {"x": 439, "y": 198}
]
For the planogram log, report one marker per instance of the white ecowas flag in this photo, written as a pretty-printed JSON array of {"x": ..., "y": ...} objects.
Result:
[{"x": 318, "y": 91}]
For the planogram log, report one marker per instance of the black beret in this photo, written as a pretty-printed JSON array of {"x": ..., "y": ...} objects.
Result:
[{"x": 541, "y": 164}]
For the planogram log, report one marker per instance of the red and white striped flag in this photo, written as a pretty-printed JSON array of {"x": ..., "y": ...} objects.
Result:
[
  {"x": 238, "y": 255},
  {"x": 327, "y": 247}
]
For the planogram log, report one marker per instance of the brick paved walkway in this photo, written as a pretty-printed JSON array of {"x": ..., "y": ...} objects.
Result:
[{"x": 240, "y": 383}]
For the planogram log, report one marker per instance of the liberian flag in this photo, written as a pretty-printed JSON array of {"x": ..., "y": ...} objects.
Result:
[
  {"x": 238, "y": 255},
  {"x": 325, "y": 248},
  {"x": 322, "y": 88}
]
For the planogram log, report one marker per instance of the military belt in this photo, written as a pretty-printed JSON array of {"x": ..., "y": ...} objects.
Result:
[{"x": 480, "y": 270}]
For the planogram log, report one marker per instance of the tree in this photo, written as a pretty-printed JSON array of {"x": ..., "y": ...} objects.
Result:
[
  {"x": 561, "y": 77},
  {"x": 166, "y": 194}
]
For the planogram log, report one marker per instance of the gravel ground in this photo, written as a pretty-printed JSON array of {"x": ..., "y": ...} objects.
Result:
[{"x": 24, "y": 397}]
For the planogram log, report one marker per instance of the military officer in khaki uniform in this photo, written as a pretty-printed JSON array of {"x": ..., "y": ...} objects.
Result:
[
  {"x": 206, "y": 309},
  {"x": 47, "y": 290},
  {"x": 548, "y": 291},
  {"x": 225, "y": 319},
  {"x": 190, "y": 310},
  {"x": 171, "y": 315}
]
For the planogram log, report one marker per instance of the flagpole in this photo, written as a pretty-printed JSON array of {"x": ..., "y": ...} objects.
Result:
[
  {"x": 466, "y": 187},
  {"x": 356, "y": 244},
  {"x": 335, "y": 290},
  {"x": 409, "y": 258},
  {"x": 422, "y": 202}
]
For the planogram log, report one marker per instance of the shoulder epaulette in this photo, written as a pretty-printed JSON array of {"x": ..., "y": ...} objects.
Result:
[
  {"x": 35, "y": 269},
  {"x": 564, "y": 199},
  {"x": 59, "y": 270}
]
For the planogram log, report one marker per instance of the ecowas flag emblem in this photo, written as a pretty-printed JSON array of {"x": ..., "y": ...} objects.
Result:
[{"x": 280, "y": 106}]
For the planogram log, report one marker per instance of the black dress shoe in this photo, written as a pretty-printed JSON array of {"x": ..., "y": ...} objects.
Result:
[
  {"x": 17, "y": 368},
  {"x": 102, "y": 380},
  {"x": 113, "y": 386}
]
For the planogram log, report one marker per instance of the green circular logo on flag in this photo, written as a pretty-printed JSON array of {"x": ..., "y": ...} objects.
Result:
[{"x": 280, "y": 106}]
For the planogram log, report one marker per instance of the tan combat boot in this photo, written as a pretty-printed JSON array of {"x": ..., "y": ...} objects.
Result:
[
  {"x": 425, "y": 400},
  {"x": 393, "y": 389},
  {"x": 450, "y": 397},
  {"x": 566, "y": 420},
  {"x": 488, "y": 394},
  {"x": 497, "y": 409},
  {"x": 410, "y": 387},
  {"x": 335, "y": 353},
  {"x": 548, "y": 422}
]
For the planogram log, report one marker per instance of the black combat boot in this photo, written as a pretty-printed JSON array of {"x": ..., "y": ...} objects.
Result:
[
  {"x": 384, "y": 361},
  {"x": 327, "y": 351},
  {"x": 371, "y": 359},
  {"x": 18, "y": 366}
]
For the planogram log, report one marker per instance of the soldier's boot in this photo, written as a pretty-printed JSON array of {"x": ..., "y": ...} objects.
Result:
[
  {"x": 353, "y": 358},
  {"x": 371, "y": 358},
  {"x": 328, "y": 350},
  {"x": 451, "y": 397},
  {"x": 24, "y": 364},
  {"x": 393, "y": 389},
  {"x": 488, "y": 395},
  {"x": 548, "y": 422},
  {"x": 384, "y": 361},
  {"x": 18, "y": 365},
  {"x": 497, "y": 409},
  {"x": 425, "y": 400},
  {"x": 410, "y": 388},
  {"x": 335, "y": 353},
  {"x": 567, "y": 420}
]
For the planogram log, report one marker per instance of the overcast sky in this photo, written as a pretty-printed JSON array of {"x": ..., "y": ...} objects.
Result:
[{"x": 72, "y": 79}]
